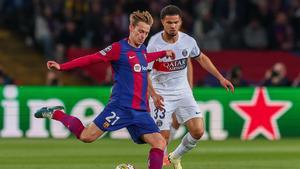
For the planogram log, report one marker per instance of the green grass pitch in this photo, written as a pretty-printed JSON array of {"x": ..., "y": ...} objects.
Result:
[{"x": 107, "y": 153}]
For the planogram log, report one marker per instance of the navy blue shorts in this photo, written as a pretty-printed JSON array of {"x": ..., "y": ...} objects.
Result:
[{"x": 137, "y": 122}]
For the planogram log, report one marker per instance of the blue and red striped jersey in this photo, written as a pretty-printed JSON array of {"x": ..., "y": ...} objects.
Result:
[
  {"x": 130, "y": 72},
  {"x": 130, "y": 77}
]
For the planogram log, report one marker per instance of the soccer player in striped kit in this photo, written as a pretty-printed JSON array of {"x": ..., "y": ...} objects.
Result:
[
  {"x": 128, "y": 105},
  {"x": 168, "y": 84}
]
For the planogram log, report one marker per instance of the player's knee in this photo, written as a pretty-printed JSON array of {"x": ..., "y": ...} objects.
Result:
[
  {"x": 87, "y": 139},
  {"x": 197, "y": 134}
]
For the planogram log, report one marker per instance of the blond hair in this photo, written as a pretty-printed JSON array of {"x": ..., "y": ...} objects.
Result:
[{"x": 138, "y": 16}]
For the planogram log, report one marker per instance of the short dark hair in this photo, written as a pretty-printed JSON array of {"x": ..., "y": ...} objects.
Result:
[{"x": 170, "y": 10}]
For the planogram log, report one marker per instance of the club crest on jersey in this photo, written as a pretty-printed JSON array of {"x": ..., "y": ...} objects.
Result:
[
  {"x": 106, "y": 124},
  {"x": 105, "y": 50},
  {"x": 184, "y": 52},
  {"x": 138, "y": 68}
]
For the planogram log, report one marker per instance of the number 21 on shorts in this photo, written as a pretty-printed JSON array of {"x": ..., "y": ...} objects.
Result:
[{"x": 113, "y": 118}]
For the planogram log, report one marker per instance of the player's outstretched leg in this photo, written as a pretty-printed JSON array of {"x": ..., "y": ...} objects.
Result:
[
  {"x": 188, "y": 142},
  {"x": 56, "y": 113}
]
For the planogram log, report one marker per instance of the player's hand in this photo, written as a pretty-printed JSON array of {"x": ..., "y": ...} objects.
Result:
[
  {"x": 170, "y": 54},
  {"x": 53, "y": 65},
  {"x": 158, "y": 101},
  {"x": 227, "y": 85}
]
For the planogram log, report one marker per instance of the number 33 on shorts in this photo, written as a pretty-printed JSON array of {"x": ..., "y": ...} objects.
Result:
[{"x": 159, "y": 114}]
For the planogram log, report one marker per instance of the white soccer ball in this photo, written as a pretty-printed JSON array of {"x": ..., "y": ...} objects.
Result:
[{"x": 125, "y": 166}]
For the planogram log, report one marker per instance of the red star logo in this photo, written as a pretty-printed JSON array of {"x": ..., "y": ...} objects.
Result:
[{"x": 260, "y": 115}]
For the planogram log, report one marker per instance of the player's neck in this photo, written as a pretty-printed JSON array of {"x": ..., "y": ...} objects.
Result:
[
  {"x": 169, "y": 38},
  {"x": 131, "y": 43}
]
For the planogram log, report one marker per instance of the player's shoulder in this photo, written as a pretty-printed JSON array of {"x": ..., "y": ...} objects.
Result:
[
  {"x": 184, "y": 37},
  {"x": 116, "y": 45},
  {"x": 121, "y": 44},
  {"x": 156, "y": 38}
]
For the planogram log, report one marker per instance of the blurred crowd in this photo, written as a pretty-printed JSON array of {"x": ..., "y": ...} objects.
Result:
[
  {"x": 216, "y": 24},
  {"x": 276, "y": 76},
  {"x": 54, "y": 26}
]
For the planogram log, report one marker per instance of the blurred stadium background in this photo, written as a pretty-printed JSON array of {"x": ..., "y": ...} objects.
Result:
[{"x": 254, "y": 43}]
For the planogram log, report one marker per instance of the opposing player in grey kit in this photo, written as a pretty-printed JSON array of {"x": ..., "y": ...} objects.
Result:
[{"x": 168, "y": 84}]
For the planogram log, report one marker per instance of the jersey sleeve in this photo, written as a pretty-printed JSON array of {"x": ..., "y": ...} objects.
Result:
[
  {"x": 110, "y": 53},
  {"x": 150, "y": 48},
  {"x": 155, "y": 55},
  {"x": 195, "y": 52}
]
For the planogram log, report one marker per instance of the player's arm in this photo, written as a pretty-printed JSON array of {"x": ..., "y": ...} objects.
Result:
[
  {"x": 151, "y": 56},
  {"x": 156, "y": 55},
  {"x": 157, "y": 99},
  {"x": 206, "y": 63},
  {"x": 78, "y": 62},
  {"x": 190, "y": 73},
  {"x": 110, "y": 53}
]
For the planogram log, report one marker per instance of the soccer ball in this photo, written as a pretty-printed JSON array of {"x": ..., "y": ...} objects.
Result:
[{"x": 125, "y": 166}]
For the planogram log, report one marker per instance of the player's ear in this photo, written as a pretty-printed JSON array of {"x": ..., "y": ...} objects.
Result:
[{"x": 131, "y": 27}]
